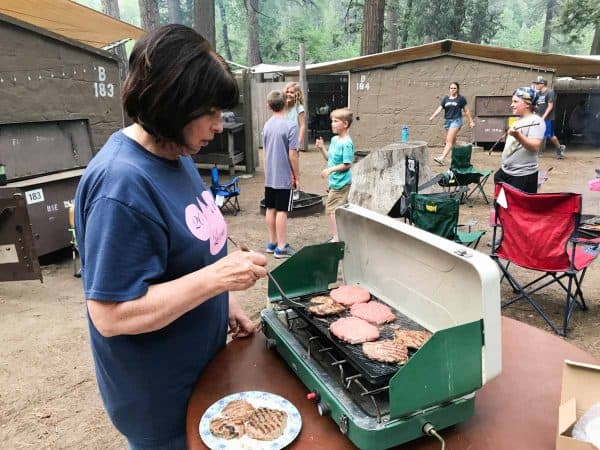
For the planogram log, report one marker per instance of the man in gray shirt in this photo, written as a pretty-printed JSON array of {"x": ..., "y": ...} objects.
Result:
[
  {"x": 545, "y": 109},
  {"x": 280, "y": 142}
]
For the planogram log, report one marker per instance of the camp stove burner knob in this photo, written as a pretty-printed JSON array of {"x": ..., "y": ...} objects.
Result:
[
  {"x": 313, "y": 396},
  {"x": 323, "y": 409},
  {"x": 271, "y": 344}
]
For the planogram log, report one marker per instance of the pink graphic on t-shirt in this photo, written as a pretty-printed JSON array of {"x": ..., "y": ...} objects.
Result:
[{"x": 206, "y": 222}]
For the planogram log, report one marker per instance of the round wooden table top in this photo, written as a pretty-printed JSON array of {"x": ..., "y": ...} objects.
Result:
[{"x": 518, "y": 409}]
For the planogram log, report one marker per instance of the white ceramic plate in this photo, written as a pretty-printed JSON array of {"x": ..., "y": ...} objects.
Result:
[{"x": 257, "y": 399}]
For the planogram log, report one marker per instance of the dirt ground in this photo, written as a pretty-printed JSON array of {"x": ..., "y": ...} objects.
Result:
[{"x": 48, "y": 392}]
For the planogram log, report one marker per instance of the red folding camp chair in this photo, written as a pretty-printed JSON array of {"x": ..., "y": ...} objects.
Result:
[{"x": 539, "y": 232}]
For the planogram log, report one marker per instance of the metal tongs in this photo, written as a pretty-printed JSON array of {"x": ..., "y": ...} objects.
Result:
[
  {"x": 506, "y": 133},
  {"x": 244, "y": 248}
]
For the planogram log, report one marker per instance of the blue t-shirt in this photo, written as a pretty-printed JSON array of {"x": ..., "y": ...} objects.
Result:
[
  {"x": 280, "y": 135},
  {"x": 341, "y": 151},
  {"x": 142, "y": 220}
]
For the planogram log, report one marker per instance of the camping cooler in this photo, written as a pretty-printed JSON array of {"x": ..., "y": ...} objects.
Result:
[{"x": 430, "y": 283}]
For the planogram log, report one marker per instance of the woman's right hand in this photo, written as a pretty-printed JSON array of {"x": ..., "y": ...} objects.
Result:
[{"x": 240, "y": 270}]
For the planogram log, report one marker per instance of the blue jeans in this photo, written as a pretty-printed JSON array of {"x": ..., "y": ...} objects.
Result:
[
  {"x": 453, "y": 123},
  {"x": 177, "y": 443}
]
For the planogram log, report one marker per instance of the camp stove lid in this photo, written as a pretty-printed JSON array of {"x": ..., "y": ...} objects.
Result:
[{"x": 436, "y": 282}]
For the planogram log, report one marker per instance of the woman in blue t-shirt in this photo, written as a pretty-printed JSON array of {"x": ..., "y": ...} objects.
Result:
[
  {"x": 453, "y": 105},
  {"x": 153, "y": 243}
]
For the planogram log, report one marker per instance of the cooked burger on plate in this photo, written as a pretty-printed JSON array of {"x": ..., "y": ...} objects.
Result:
[
  {"x": 238, "y": 409},
  {"x": 266, "y": 424},
  {"x": 227, "y": 428}
]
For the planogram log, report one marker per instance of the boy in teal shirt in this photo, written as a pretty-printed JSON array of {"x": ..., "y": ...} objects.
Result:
[{"x": 339, "y": 161}]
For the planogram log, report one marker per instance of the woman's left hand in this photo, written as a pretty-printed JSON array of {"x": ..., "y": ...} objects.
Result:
[
  {"x": 240, "y": 326},
  {"x": 472, "y": 124}
]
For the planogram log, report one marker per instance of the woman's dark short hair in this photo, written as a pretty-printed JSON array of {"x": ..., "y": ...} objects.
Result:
[
  {"x": 175, "y": 77},
  {"x": 457, "y": 86}
]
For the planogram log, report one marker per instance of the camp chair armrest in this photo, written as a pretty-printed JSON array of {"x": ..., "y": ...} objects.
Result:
[
  {"x": 233, "y": 182},
  {"x": 584, "y": 240}
]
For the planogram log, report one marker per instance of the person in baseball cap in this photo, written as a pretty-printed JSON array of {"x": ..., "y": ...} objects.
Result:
[{"x": 545, "y": 109}]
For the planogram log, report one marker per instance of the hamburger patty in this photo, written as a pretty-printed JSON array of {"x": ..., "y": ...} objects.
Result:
[
  {"x": 373, "y": 312},
  {"x": 326, "y": 308},
  {"x": 238, "y": 409},
  {"x": 411, "y": 338},
  {"x": 354, "y": 330},
  {"x": 319, "y": 299},
  {"x": 227, "y": 428},
  {"x": 266, "y": 424},
  {"x": 388, "y": 350},
  {"x": 350, "y": 294}
]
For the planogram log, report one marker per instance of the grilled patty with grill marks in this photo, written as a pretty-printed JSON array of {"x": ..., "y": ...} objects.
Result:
[
  {"x": 266, "y": 424},
  {"x": 238, "y": 409},
  {"x": 326, "y": 308},
  {"x": 412, "y": 338},
  {"x": 227, "y": 428},
  {"x": 387, "y": 350}
]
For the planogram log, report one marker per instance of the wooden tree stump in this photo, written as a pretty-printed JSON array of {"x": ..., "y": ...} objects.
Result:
[{"x": 378, "y": 178}]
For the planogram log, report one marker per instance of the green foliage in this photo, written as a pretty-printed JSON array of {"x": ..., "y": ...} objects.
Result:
[
  {"x": 577, "y": 16},
  {"x": 330, "y": 29}
]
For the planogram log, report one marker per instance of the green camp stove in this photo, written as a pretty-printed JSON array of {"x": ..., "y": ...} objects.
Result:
[{"x": 430, "y": 283}]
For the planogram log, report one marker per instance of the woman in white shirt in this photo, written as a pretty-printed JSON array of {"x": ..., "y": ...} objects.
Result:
[{"x": 295, "y": 109}]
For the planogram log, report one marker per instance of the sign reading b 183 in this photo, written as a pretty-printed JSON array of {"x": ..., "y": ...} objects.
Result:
[
  {"x": 34, "y": 196},
  {"x": 101, "y": 88}
]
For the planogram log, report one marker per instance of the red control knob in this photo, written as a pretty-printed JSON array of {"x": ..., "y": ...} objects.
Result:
[{"x": 312, "y": 396}]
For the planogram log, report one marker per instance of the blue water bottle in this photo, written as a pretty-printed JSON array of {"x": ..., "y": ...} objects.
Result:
[{"x": 404, "y": 133}]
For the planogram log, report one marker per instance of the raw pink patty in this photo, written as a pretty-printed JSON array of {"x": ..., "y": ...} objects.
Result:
[
  {"x": 373, "y": 312},
  {"x": 349, "y": 295},
  {"x": 354, "y": 330}
]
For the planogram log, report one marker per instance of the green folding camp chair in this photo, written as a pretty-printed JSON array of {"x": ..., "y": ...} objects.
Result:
[
  {"x": 462, "y": 173},
  {"x": 438, "y": 214}
]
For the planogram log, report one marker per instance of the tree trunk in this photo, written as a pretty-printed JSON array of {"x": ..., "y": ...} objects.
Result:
[
  {"x": 253, "y": 51},
  {"x": 149, "y": 14},
  {"x": 224, "y": 32},
  {"x": 477, "y": 27},
  {"x": 174, "y": 9},
  {"x": 111, "y": 8},
  {"x": 550, "y": 5},
  {"x": 405, "y": 21},
  {"x": 392, "y": 25},
  {"x": 596, "y": 41},
  {"x": 457, "y": 20},
  {"x": 204, "y": 19},
  {"x": 372, "y": 33}
]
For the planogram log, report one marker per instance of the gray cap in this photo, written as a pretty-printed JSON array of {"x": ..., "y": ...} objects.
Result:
[{"x": 540, "y": 80}]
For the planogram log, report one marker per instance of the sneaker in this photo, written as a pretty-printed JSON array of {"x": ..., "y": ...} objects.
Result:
[
  {"x": 286, "y": 252},
  {"x": 560, "y": 153},
  {"x": 439, "y": 160},
  {"x": 270, "y": 247}
]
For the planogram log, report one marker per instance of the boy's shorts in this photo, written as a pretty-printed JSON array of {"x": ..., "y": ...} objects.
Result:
[
  {"x": 337, "y": 198},
  {"x": 279, "y": 199}
]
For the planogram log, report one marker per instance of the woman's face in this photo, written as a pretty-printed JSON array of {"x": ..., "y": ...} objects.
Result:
[
  {"x": 290, "y": 95},
  {"x": 199, "y": 132},
  {"x": 518, "y": 106},
  {"x": 453, "y": 89}
]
